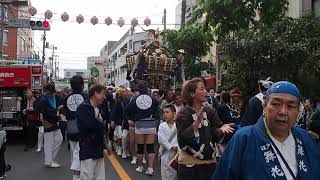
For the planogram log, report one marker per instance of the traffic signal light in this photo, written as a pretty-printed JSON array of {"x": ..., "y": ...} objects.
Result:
[{"x": 39, "y": 25}]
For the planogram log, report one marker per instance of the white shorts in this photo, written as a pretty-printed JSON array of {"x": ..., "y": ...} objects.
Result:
[
  {"x": 41, "y": 129},
  {"x": 118, "y": 132},
  {"x": 74, "y": 150},
  {"x": 92, "y": 169},
  {"x": 125, "y": 133},
  {"x": 146, "y": 127},
  {"x": 146, "y": 131}
]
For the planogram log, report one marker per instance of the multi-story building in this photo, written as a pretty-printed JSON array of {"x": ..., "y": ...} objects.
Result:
[
  {"x": 299, "y": 8},
  {"x": 130, "y": 42},
  {"x": 316, "y": 7},
  {"x": 18, "y": 41},
  {"x": 92, "y": 61},
  {"x": 190, "y": 5},
  {"x": 104, "y": 53},
  {"x": 296, "y": 9},
  {"x": 69, "y": 73},
  {"x": 99, "y": 63},
  {"x": 105, "y": 50}
]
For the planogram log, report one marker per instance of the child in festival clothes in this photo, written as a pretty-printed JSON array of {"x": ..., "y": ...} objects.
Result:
[{"x": 167, "y": 137}]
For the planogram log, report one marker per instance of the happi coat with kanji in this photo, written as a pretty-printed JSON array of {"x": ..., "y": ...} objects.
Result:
[{"x": 250, "y": 156}]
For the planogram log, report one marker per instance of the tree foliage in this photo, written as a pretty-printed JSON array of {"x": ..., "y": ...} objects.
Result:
[
  {"x": 287, "y": 50},
  {"x": 94, "y": 72},
  {"x": 196, "y": 42},
  {"x": 225, "y": 16}
]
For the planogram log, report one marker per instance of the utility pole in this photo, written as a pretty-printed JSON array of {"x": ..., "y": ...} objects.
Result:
[
  {"x": 58, "y": 69},
  {"x": 183, "y": 12},
  {"x": 55, "y": 69},
  {"x": 217, "y": 72},
  {"x": 183, "y": 21},
  {"x": 44, "y": 45},
  {"x": 52, "y": 64},
  {"x": 164, "y": 20},
  {"x": 50, "y": 67},
  {"x": 114, "y": 71},
  {"x": 2, "y": 21}
]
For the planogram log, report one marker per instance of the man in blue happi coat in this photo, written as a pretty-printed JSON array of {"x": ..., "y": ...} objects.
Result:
[
  {"x": 255, "y": 106},
  {"x": 273, "y": 148}
]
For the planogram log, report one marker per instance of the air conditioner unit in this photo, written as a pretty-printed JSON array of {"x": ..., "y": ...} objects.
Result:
[{"x": 20, "y": 2}]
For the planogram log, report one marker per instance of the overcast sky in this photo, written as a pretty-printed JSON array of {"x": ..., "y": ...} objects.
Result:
[{"x": 76, "y": 42}]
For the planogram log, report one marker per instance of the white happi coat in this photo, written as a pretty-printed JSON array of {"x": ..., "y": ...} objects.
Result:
[{"x": 164, "y": 134}]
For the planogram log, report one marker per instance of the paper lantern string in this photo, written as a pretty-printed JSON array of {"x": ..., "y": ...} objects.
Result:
[
  {"x": 134, "y": 22},
  {"x": 120, "y": 22},
  {"x": 48, "y": 14},
  {"x": 94, "y": 20},
  {"x": 64, "y": 17},
  {"x": 108, "y": 21},
  {"x": 80, "y": 19},
  {"x": 32, "y": 11}
]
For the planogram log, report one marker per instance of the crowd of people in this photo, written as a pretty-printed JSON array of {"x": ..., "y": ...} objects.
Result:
[{"x": 193, "y": 131}]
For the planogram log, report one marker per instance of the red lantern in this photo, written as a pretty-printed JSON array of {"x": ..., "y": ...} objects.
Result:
[
  {"x": 134, "y": 22},
  {"x": 80, "y": 19},
  {"x": 121, "y": 22},
  {"x": 48, "y": 14},
  {"x": 108, "y": 21},
  {"x": 147, "y": 21},
  {"x": 64, "y": 17},
  {"x": 32, "y": 11},
  {"x": 94, "y": 20}
]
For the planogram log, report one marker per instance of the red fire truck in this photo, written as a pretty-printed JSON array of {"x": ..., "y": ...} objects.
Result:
[{"x": 15, "y": 79}]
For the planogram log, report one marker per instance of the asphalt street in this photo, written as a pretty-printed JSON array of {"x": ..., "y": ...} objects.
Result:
[{"x": 30, "y": 165}]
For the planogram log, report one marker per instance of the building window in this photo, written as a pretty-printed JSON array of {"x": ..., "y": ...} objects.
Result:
[
  {"x": 5, "y": 38},
  {"x": 136, "y": 46},
  {"x": 31, "y": 42},
  {"x": 5, "y": 13},
  {"x": 316, "y": 7},
  {"x": 22, "y": 45},
  {"x": 131, "y": 46},
  {"x": 68, "y": 74}
]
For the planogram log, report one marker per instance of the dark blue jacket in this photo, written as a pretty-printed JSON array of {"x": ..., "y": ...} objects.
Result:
[
  {"x": 67, "y": 112},
  {"x": 70, "y": 113},
  {"x": 135, "y": 114},
  {"x": 117, "y": 113},
  {"x": 125, "y": 123},
  {"x": 50, "y": 113},
  {"x": 315, "y": 122},
  {"x": 91, "y": 139},
  {"x": 213, "y": 102},
  {"x": 244, "y": 158},
  {"x": 228, "y": 114},
  {"x": 108, "y": 105},
  {"x": 253, "y": 112}
]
